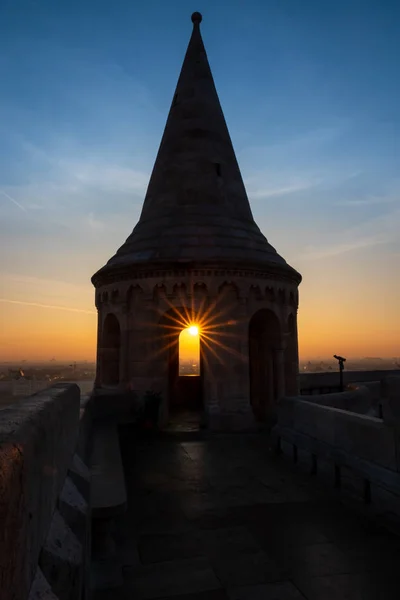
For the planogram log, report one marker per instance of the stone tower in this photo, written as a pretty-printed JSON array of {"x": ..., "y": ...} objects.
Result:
[{"x": 197, "y": 256}]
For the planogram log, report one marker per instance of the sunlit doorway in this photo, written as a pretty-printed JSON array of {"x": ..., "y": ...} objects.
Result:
[
  {"x": 185, "y": 376},
  {"x": 189, "y": 352}
]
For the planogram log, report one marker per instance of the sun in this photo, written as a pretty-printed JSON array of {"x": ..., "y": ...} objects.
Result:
[{"x": 193, "y": 330}]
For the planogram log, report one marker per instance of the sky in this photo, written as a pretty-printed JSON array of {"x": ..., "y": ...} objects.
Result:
[{"x": 310, "y": 92}]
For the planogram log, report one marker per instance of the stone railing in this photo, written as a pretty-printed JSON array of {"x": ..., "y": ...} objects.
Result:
[
  {"x": 356, "y": 453},
  {"x": 44, "y": 497},
  {"x": 328, "y": 382},
  {"x": 358, "y": 398}
]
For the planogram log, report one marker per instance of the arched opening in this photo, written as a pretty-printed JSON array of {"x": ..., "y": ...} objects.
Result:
[
  {"x": 184, "y": 356},
  {"x": 110, "y": 350},
  {"x": 264, "y": 363},
  {"x": 189, "y": 352}
]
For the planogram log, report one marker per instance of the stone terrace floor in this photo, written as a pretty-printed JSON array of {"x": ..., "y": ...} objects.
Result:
[{"x": 223, "y": 518}]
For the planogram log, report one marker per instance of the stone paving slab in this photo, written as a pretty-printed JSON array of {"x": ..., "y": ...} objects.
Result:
[
  {"x": 247, "y": 569},
  {"x": 164, "y": 547},
  {"x": 219, "y": 594},
  {"x": 172, "y": 578},
  {"x": 348, "y": 586},
  {"x": 269, "y": 591},
  {"x": 255, "y": 529}
]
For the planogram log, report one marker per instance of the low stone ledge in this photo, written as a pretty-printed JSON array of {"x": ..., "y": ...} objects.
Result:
[
  {"x": 80, "y": 475},
  {"x": 287, "y": 438},
  {"x": 391, "y": 400},
  {"x": 75, "y": 507},
  {"x": 375, "y": 489},
  {"x": 331, "y": 379},
  {"x": 75, "y": 510},
  {"x": 109, "y": 499},
  {"x": 108, "y": 479},
  {"x": 61, "y": 560},
  {"x": 231, "y": 421},
  {"x": 357, "y": 399},
  {"x": 41, "y": 589},
  {"x": 360, "y": 435},
  {"x": 37, "y": 441}
]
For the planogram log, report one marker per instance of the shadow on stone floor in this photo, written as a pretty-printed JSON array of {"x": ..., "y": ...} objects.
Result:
[{"x": 220, "y": 517}]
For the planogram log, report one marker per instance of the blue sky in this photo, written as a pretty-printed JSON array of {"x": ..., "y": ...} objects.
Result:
[{"x": 310, "y": 91}]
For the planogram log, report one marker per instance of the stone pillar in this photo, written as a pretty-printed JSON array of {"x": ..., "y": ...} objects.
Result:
[
  {"x": 279, "y": 361},
  {"x": 228, "y": 380},
  {"x": 124, "y": 350},
  {"x": 296, "y": 380},
  {"x": 210, "y": 387},
  {"x": 97, "y": 381}
]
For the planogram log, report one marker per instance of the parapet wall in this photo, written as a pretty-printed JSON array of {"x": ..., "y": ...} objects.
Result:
[
  {"x": 44, "y": 515},
  {"x": 356, "y": 453},
  {"x": 322, "y": 383},
  {"x": 358, "y": 399}
]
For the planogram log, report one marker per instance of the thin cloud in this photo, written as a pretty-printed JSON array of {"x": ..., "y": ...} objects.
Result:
[
  {"x": 310, "y": 140},
  {"x": 380, "y": 230},
  {"x": 95, "y": 224},
  {"x": 42, "y": 281},
  {"x": 107, "y": 177},
  {"x": 282, "y": 191},
  {"x": 39, "y": 305},
  {"x": 371, "y": 201},
  {"x": 13, "y": 200},
  {"x": 316, "y": 252}
]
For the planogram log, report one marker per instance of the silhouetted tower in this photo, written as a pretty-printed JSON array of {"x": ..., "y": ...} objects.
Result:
[{"x": 197, "y": 251}]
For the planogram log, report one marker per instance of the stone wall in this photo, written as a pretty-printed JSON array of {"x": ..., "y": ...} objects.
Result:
[
  {"x": 150, "y": 307},
  {"x": 355, "y": 453},
  {"x": 44, "y": 498},
  {"x": 322, "y": 383},
  {"x": 358, "y": 398}
]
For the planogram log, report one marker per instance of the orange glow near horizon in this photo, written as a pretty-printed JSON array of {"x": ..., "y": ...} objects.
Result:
[{"x": 67, "y": 330}]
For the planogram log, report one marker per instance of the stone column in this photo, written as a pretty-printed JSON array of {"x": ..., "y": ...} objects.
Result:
[
  {"x": 124, "y": 349},
  {"x": 279, "y": 360},
  {"x": 210, "y": 386},
  {"x": 97, "y": 381},
  {"x": 296, "y": 380}
]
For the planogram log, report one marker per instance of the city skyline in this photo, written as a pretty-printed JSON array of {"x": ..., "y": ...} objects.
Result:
[{"x": 84, "y": 111}]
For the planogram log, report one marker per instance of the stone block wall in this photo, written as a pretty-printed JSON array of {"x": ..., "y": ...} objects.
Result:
[
  {"x": 357, "y": 454},
  {"x": 363, "y": 399},
  {"x": 44, "y": 498},
  {"x": 322, "y": 383}
]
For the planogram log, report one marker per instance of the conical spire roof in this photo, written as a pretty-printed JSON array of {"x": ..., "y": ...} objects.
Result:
[{"x": 196, "y": 208}]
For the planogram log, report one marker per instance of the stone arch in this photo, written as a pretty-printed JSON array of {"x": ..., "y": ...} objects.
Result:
[
  {"x": 282, "y": 296},
  {"x": 114, "y": 296},
  {"x": 255, "y": 293},
  {"x": 110, "y": 350},
  {"x": 228, "y": 289},
  {"x": 291, "y": 357},
  {"x": 224, "y": 308},
  {"x": 105, "y": 297},
  {"x": 133, "y": 296},
  {"x": 179, "y": 291},
  {"x": 200, "y": 289},
  {"x": 200, "y": 299},
  {"x": 184, "y": 393},
  {"x": 265, "y": 364},
  {"x": 270, "y": 293},
  {"x": 159, "y": 293}
]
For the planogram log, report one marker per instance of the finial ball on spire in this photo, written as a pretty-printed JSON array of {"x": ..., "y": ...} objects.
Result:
[{"x": 196, "y": 17}]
